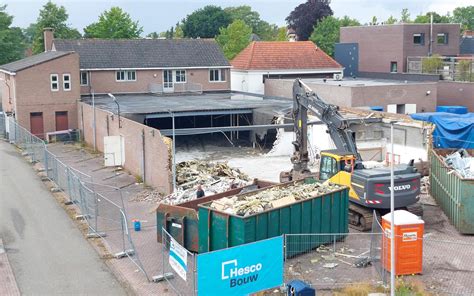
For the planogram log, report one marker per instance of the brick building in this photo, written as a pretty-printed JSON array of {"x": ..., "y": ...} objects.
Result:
[
  {"x": 385, "y": 48},
  {"x": 42, "y": 91}
]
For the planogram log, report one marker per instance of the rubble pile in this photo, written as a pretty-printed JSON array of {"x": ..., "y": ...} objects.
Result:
[
  {"x": 462, "y": 162},
  {"x": 213, "y": 177},
  {"x": 252, "y": 203}
]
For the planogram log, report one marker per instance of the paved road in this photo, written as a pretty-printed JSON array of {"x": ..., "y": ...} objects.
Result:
[{"x": 48, "y": 254}]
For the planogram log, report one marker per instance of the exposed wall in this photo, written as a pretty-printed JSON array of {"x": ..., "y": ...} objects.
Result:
[
  {"x": 33, "y": 92},
  {"x": 105, "y": 81},
  {"x": 378, "y": 46},
  {"x": 364, "y": 96},
  {"x": 153, "y": 152},
  {"x": 456, "y": 93},
  {"x": 7, "y": 91}
]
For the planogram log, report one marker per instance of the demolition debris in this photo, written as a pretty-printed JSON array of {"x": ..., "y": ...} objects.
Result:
[
  {"x": 462, "y": 162},
  {"x": 275, "y": 197}
]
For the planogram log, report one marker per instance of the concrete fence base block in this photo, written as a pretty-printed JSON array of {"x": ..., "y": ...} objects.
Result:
[
  {"x": 70, "y": 202},
  {"x": 40, "y": 170},
  {"x": 162, "y": 277},
  {"x": 96, "y": 235},
  {"x": 44, "y": 178},
  {"x": 25, "y": 153},
  {"x": 55, "y": 189},
  {"x": 82, "y": 217},
  {"x": 124, "y": 254}
]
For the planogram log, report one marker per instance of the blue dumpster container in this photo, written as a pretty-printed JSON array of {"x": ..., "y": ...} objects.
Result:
[
  {"x": 377, "y": 108},
  {"x": 452, "y": 109},
  {"x": 299, "y": 288}
]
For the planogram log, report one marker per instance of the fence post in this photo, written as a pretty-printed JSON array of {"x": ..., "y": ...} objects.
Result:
[
  {"x": 195, "y": 275},
  {"x": 46, "y": 165}
]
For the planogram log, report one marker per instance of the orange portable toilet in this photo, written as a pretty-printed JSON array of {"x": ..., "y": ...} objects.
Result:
[{"x": 408, "y": 243}]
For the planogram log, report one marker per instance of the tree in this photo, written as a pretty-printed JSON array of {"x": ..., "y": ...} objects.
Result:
[
  {"x": 374, "y": 21},
  {"x": 234, "y": 38},
  {"x": 153, "y": 35},
  {"x": 205, "y": 22},
  {"x": 405, "y": 16},
  {"x": 246, "y": 14},
  {"x": 465, "y": 17},
  {"x": 52, "y": 16},
  {"x": 114, "y": 24},
  {"x": 178, "y": 32},
  {"x": 29, "y": 33},
  {"x": 303, "y": 18},
  {"x": 390, "y": 21},
  {"x": 426, "y": 18},
  {"x": 281, "y": 34},
  {"x": 327, "y": 32},
  {"x": 12, "y": 46}
]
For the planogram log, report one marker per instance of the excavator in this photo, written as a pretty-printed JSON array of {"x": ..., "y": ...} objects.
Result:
[{"x": 369, "y": 189}]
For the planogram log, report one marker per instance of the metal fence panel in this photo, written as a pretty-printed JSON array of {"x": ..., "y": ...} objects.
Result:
[{"x": 178, "y": 284}]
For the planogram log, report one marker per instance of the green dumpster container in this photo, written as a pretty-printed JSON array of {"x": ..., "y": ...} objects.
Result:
[
  {"x": 323, "y": 214},
  {"x": 453, "y": 193}
]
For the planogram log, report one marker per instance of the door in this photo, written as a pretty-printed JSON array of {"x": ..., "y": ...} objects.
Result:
[
  {"x": 168, "y": 85},
  {"x": 61, "y": 121},
  {"x": 36, "y": 124},
  {"x": 114, "y": 151}
]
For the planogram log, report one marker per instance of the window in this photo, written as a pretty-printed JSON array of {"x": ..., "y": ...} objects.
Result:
[
  {"x": 419, "y": 38},
  {"x": 126, "y": 76},
  {"x": 216, "y": 75},
  {"x": 442, "y": 38},
  {"x": 180, "y": 76},
  {"x": 84, "y": 78},
  {"x": 393, "y": 67},
  {"x": 66, "y": 82},
  {"x": 54, "y": 82},
  {"x": 328, "y": 168}
]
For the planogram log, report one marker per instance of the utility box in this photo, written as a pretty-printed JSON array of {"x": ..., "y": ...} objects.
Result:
[
  {"x": 299, "y": 288},
  {"x": 408, "y": 243}
]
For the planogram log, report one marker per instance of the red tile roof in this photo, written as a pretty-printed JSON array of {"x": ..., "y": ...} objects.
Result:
[{"x": 279, "y": 55}]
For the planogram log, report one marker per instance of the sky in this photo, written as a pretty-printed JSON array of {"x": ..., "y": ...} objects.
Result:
[{"x": 160, "y": 15}]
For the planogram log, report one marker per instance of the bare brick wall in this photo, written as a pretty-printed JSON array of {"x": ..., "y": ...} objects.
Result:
[
  {"x": 31, "y": 92},
  {"x": 156, "y": 152},
  {"x": 456, "y": 93},
  {"x": 105, "y": 81}
]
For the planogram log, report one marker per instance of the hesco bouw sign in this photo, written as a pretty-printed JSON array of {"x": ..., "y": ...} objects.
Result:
[{"x": 241, "y": 270}]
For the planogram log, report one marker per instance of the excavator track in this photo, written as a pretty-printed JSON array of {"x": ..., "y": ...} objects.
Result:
[{"x": 360, "y": 218}]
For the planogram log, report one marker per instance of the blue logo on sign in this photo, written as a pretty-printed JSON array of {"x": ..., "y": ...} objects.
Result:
[{"x": 241, "y": 270}]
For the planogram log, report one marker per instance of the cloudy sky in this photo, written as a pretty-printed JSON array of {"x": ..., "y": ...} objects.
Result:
[{"x": 159, "y": 15}]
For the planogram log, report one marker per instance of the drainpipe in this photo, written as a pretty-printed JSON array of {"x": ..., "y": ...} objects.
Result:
[
  {"x": 430, "y": 52},
  {"x": 143, "y": 157}
]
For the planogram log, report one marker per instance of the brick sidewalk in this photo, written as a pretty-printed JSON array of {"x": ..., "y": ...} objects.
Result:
[{"x": 8, "y": 284}]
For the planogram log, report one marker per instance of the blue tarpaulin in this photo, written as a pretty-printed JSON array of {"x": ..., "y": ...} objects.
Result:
[{"x": 452, "y": 130}]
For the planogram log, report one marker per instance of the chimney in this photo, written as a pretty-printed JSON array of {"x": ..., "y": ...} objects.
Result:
[{"x": 48, "y": 34}]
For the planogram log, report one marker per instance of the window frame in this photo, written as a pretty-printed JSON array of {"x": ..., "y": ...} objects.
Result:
[
  {"x": 392, "y": 63},
  {"x": 86, "y": 76},
  {"x": 51, "y": 82},
  {"x": 220, "y": 74},
  {"x": 126, "y": 75},
  {"x": 422, "y": 39},
  {"x": 445, "y": 38},
  {"x": 68, "y": 81},
  {"x": 183, "y": 76}
]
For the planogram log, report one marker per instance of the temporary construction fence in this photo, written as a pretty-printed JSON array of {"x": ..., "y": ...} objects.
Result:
[{"x": 105, "y": 218}]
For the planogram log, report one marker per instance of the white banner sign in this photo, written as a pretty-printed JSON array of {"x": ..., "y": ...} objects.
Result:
[{"x": 178, "y": 259}]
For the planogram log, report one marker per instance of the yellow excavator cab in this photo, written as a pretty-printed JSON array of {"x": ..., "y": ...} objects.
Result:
[{"x": 337, "y": 167}]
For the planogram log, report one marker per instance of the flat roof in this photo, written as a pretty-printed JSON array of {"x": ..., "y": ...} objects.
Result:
[
  {"x": 360, "y": 82},
  {"x": 155, "y": 106}
]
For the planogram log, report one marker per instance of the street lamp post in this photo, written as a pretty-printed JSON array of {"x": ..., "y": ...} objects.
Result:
[
  {"x": 173, "y": 151},
  {"x": 118, "y": 107},
  {"x": 392, "y": 217}
]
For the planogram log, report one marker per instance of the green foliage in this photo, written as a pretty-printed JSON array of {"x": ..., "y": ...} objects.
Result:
[
  {"x": 405, "y": 16},
  {"x": 246, "y": 14},
  {"x": 465, "y": 17},
  {"x": 432, "y": 64},
  {"x": 390, "y": 21},
  {"x": 153, "y": 35},
  {"x": 326, "y": 32},
  {"x": 374, "y": 20},
  {"x": 465, "y": 69},
  {"x": 114, "y": 24},
  {"x": 205, "y": 22},
  {"x": 281, "y": 34},
  {"x": 12, "y": 46},
  {"x": 52, "y": 16},
  {"x": 29, "y": 33},
  {"x": 426, "y": 18},
  {"x": 303, "y": 18},
  {"x": 234, "y": 38}
]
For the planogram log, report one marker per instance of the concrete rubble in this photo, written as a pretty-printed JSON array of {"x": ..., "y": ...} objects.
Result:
[
  {"x": 213, "y": 177},
  {"x": 253, "y": 203},
  {"x": 462, "y": 162}
]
